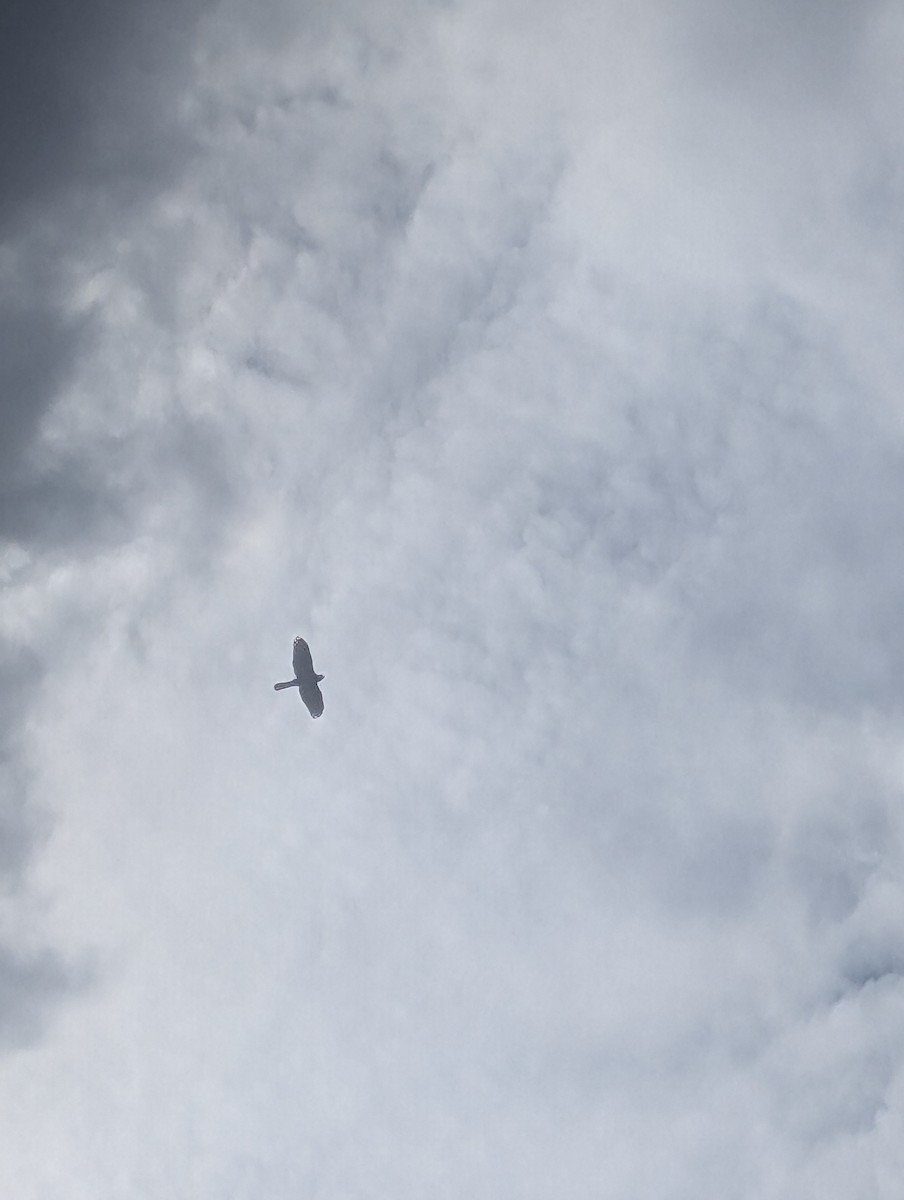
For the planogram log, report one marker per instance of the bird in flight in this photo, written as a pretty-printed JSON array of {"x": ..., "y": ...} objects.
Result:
[{"x": 305, "y": 679}]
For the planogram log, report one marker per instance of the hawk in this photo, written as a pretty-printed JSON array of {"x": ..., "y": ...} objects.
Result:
[{"x": 305, "y": 679}]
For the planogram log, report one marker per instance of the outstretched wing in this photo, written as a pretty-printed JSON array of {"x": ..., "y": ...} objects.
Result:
[
  {"x": 302, "y": 662},
  {"x": 313, "y": 700},
  {"x": 307, "y": 679}
]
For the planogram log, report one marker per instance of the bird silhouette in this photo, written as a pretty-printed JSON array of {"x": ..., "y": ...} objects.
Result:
[{"x": 305, "y": 678}]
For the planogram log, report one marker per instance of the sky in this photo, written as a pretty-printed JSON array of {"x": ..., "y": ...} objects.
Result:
[{"x": 540, "y": 365}]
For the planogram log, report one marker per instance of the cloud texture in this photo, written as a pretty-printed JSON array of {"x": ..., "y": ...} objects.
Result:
[{"x": 540, "y": 368}]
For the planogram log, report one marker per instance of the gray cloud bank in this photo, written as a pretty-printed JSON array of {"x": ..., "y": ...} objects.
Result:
[
  {"x": 543, "y": 373},
  {"x": 88, "y": 131},
  {"x": 88, "y": 99}
]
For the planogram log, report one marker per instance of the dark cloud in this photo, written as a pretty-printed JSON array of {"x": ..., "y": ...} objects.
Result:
[
  {"x": 29, "y": 986},
  {"x": 89, "y": 128},
  {"x": 804, "y": 46},
  {"x": 30, "y": 982},
  {"x": 20, "y": 674},
  {"x": 84, "y": 96},
  {"x": 875, "y": 958},
  {"x": 37, "y": 346}
]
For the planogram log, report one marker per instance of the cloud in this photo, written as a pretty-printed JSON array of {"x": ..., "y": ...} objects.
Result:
[
  {"x": 85, "y": 100},
  {"x": 19, "y": 677},
  {"x": 32, "y": 982},
  {"x": 89, "y": 129},
  {"x": 539, "y": 373},
  {"x": 808, "y": 48},
  {"x": 28, "y": 988}
]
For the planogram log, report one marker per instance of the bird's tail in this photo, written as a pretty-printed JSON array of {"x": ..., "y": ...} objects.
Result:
[{"x": 278, "y": 687}]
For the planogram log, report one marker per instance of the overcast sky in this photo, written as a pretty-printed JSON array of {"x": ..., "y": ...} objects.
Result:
[{"x": 541, "y": 365}]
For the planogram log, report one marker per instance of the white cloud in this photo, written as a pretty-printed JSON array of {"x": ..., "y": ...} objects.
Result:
[{"x": 541, "y": 372}]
